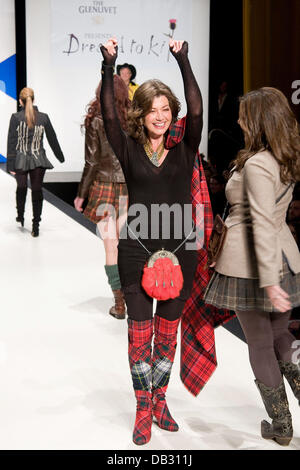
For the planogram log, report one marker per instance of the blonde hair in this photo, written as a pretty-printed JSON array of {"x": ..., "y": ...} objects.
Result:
[
  {"x": 268, "y": 123},
  {"x": 141, "y": 106},
  {"x": 27, "y": 98}
]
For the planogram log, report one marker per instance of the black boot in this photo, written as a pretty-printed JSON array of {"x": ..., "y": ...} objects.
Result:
[
  {"x": 277, "y": 407},
  {"x": 291, "y": 372},
  {"x": 20, "y": 200},
  {"x": 37, "y": 206}
]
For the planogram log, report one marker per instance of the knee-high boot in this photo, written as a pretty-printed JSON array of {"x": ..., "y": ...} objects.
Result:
[
  {"x": 139, "y": 352},
  {"x": 37, "y": 206},
  {"x": 277, "y": 407},
  {"x": 291, "y": 372},
  {"x": 165, "y": 341},
  {"x": 21, "y": 200}
]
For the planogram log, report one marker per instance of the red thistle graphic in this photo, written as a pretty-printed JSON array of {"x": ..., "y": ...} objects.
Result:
[{"x": 172, "y": 24}]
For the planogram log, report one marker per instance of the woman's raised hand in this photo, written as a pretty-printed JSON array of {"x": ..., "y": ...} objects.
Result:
[
  {"x": 110, "y": 51},
  {"x": 178, "y": 49}
]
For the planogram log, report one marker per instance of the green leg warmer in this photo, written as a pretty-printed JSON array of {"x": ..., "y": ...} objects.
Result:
[{"x": 112, "y": 273}]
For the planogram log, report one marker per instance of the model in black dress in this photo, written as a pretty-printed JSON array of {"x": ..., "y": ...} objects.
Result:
[{"x": 150, "y": 185}]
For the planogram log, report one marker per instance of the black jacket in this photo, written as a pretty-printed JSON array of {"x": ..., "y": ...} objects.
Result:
[{"x": 24, "y": 143}]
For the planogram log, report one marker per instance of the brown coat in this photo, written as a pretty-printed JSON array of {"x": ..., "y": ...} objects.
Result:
[
  {"x": 101, "y": 164},
  {"x": 257, "y": 232}
]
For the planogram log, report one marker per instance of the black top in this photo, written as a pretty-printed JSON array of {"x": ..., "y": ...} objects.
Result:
[
  {"x": 25, "y": 146},
  {"x": 152, "y": 186}
]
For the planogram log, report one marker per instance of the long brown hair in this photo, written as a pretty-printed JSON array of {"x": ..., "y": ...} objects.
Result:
[
  {"x": 142, "y": 103},
  {"x": 27, "y": 98},
  {"x": 268, "y": 123},
  {"x": 121, "y": 101}
]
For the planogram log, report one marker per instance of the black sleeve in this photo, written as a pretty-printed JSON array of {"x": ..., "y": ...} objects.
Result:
[
  {"x": 12, "y": 140},
  {"x": 194, "y": 119},
  {"x": 53, "y": 142},
  {"x": 115, "y": 135}
]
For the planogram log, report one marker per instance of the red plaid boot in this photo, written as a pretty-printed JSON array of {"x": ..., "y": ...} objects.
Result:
[
  {"x": 139, "y": 351},
  {"x": 165, "y": 341}
]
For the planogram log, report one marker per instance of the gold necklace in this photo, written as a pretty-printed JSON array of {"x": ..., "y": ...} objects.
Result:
[{"x": 154, "y": 157}]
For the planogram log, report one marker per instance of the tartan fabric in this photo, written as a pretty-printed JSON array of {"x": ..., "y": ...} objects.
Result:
[
  {"x": 143, "y": 419},
  {"x": 245, "y": 294},
  {"x": 141, "y": 376},
  {"x": 198, "y": 354},
  {"x": 161, "y": 412},
  {"x": 139, "y": 353},
  {"x": 164, "y": 348},
  {"x": 105, "y": 195},
  {"x": 161, "y": 371},
  {"x": 140, "y": 345}
]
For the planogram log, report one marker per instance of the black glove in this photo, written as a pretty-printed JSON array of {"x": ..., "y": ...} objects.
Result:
[
  {"x": 109, "y": 59},
  {"x": 182, "y": 54}
]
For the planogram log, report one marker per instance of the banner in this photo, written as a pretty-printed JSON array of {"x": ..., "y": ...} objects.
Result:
[{"x": 143, "y": 30}]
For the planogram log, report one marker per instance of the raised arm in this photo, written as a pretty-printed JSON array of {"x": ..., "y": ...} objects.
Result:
[
  {"x": 194, "y": 119},
  {"x": 114, "y": 132}
]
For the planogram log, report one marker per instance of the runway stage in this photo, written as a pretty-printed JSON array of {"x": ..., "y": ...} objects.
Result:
[{"x": 65, "y": 381}]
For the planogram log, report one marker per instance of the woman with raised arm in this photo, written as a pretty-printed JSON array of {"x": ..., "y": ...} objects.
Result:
[
  {"x": 155, "y": 176},
  {"x": 258, "y": 272}
]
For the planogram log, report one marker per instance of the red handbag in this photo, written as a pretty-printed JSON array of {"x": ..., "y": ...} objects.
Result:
[{"x": 162, "y": 277}]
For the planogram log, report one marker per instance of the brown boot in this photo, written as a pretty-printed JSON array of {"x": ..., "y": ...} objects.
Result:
[{"x": 119, "y": 309}]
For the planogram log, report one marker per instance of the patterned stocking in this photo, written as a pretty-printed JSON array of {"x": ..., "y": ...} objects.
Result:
[
  {"x": 165, "y": 341},
  {"x": 139, "y": 351}
]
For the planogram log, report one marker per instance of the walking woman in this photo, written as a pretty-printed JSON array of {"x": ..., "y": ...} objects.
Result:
[
  {"x": 257, "y": 273},
  {"x": 154, "y": 176},
  {"x": 103, "y": 183},
  {"x": 26, "y": 155}
]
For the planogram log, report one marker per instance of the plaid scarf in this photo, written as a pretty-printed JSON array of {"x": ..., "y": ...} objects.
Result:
[{"x": 198, "y": 352}]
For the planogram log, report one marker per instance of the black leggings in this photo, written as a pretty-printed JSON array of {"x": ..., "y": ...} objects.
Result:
[
  {"x": 36, "y": 178},
  {"x": 269, "y": 340},
  {"x": 140, "y": 306}
]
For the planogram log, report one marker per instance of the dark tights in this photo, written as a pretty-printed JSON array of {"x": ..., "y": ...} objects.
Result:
[
  {"x": 36, "y": 178},
  {"x": 269, "y": 340},
  {"x": 140, "y": 306}
]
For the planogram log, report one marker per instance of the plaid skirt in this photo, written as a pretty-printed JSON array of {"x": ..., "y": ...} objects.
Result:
[
  {"x": 106, "y": 199},
  {"x": 238, "y": 294}
]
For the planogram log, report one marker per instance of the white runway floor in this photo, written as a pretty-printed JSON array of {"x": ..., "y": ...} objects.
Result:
[{"x": 64, "y": 371}]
